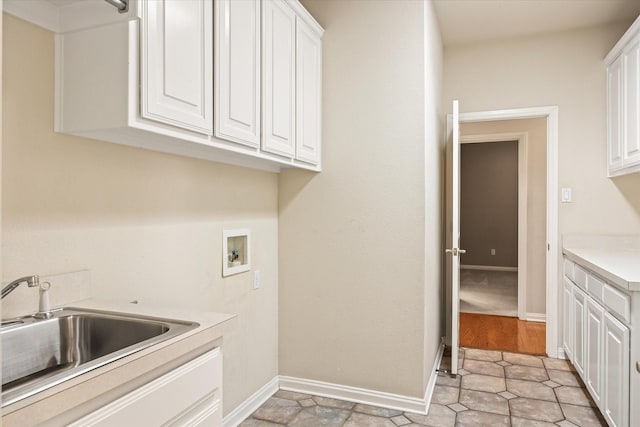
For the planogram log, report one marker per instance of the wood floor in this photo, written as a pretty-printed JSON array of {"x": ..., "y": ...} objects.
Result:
[{"x": 489, "y": 332}]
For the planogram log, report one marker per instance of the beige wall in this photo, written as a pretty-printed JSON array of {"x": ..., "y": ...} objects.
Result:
[
  {"x": 536, "y": 130},
  {"x": 489, "y": 203},
  {"x": 567, "y": 70},
  {"x": 147, "y": 225},
  {"x": 360, "y": 242}
]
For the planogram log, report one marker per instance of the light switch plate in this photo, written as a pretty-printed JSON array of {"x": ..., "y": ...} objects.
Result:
[{"x": 566, "y": 195}]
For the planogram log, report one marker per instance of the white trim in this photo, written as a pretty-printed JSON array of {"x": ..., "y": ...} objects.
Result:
[
  {"x": 249, "y": 406},
  {"x": 536, "y": 317},
  {"x": 337, "y": 391},
  {"x": 433, "y": 378},
  {"x": 354, "y": 394},
  {"x": 562, "y": 354},
  {"x": 553, "y": 239},
  {"x": 487, "y": 267},
  {"x": 523, "y": 149}
]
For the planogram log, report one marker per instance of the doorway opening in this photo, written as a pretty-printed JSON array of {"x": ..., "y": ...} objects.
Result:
[
  {"x": 538, "y": 307},
  {"x": 490, "y": 176}
]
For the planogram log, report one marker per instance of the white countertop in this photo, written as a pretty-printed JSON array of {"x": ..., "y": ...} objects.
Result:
[
  {"x": 615, "y": 258},
  {"x": 63, "y": 399}
]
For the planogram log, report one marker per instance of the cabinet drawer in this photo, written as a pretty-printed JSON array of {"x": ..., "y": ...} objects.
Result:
[
  {"x": 580, "y": 277},
  {"x": 595, "y": 287},
  {"x": 184, "y": 396},
  {"x": 569, "y": 268},
  {"x": 618, "y": 303}
]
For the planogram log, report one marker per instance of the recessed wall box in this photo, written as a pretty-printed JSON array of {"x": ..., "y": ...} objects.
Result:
[{"x": 235, "y": 251}]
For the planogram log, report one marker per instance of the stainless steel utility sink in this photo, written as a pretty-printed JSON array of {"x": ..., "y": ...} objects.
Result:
[{"x": 38, "y": 354}]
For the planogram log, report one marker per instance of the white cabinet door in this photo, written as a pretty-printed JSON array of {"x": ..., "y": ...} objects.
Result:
[
  {"x": 615, "y": 393},
  {"x": 579, "y": 312},
  {"x": 567, "y": 318},
  {"x": 594, "y": 333},
  {"x": 278, "y": 74},
  {"x": 176, "y": 52},
  {"x": 631, "y": 96},
  {"x": 189, "y": 395},
  {"x": 614, "y": 115},
  {"x": 308, "y": 93},
  {"x": 237, "y": 71}
]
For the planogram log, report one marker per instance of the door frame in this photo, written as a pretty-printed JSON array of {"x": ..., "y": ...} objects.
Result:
[
  {"x": 522, "y": 139},
  {"x": 553, "y": 237}
]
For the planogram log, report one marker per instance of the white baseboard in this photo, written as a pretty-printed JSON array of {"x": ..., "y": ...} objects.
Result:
[
  {"x": 354, "y": 394},
  {"x": 536, "y": 317},
  {"x": 337, "y": 391},
  {"x": 487, "y": 268},
  {"x": 562, "y": 354},
  {"x": 431, "y": 385},
  {"x": 250, "y": 405}
]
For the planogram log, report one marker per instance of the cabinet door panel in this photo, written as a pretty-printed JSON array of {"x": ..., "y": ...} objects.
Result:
[
  {"x": 177, "y": 63},
  {"x": 308, "y": 93},
  {"x": 278, "y": 108},
  {"x": 568, "y": 324},
  {"x": 594, "y": 334},
  {"x": 180, "y": 397},
  {"x": 631, "y": 96},
  {"x": 237, "y": 71},
  {"x": 615, "y": 395},
  {"x": 614, "y": 115},
  {"x": 579, "y": 316}
]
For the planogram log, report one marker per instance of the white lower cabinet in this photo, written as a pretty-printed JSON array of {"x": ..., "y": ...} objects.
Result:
[
  {"x": 567, "y": 318},
  {"x": 579, "y": 311},
  {"x": 598, "y": 344},
  {"x": 615, "y": 396},
  {"x": 189, "y": 395},
  {"x": 593, "y": 367}
]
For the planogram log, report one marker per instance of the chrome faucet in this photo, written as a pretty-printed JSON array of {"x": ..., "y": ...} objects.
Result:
[{"x": 31, "y": 281}]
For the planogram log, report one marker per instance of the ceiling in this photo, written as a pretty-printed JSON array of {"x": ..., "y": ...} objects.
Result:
[{"x": 471, "y": 21}]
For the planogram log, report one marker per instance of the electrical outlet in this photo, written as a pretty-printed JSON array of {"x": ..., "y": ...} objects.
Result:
[
  {"x": 256, "y": 279},
  {"x": 493, "y": 251}
]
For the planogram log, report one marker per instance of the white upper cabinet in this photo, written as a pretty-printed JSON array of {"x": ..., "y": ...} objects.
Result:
[
  {"x": 278, "y": 76},
  {"x": 623, "y": 104},
  {"x": 237, "y": 71},
  {"x": 631, "y": 105},
  {"x": 614, "y": 115},
  {"x": 176, "y": 52},
  {"x": 233, "y": 81},
  {"x": 308, "y": 92}
]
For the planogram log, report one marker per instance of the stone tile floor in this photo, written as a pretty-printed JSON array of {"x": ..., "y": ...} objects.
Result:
[{"x": 493, "y": 389}]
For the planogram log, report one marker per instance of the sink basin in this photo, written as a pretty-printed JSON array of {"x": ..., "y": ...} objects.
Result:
[{"x": 38, "y": 354}]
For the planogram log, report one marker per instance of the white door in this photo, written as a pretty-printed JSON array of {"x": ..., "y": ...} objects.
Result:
[
  {"x": 578, "y": 311},
  {"x": 177, "y": 63},
  {"x": 567, "y": 319},
  {"x": 237, "y": 71},
  {"x": 308, "y": 93},
  {"x": 278, "y": 74},
  {"x": 614, "y": 115},
  {"x": 615, "y": 393},
  {"x": 631, "y": 120},
  {"x": 593, "y": 334},
  {"x": 453, "y": 234}
]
